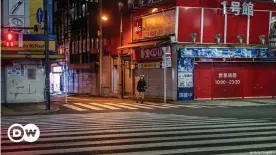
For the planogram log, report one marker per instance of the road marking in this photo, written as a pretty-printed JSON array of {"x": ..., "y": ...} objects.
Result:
[
  {"x": 122, "y": 106},
  {"x": 105, "y": 106},
  {"x": 88, "y": 106},
  {"x": 73, "y": 107},
  {"x": 136, "y": 105}
]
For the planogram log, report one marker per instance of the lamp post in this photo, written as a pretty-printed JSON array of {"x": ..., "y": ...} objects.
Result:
[
  {"x": 120, "y": 69},
  {"x": 47, "y": 69},
  {"x": 101, "y": 47},
  {"x": 102, "y": 18}
]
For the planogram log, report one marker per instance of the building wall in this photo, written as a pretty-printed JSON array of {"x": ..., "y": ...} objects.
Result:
[
  {"x": 25, "y": 83},
  {"x": 208, "y": 20}
]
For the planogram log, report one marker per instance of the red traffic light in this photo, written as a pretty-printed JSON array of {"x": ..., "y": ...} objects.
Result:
[
  {"x": 9, "y": 41},
  {"x": 9, "y": 36}
]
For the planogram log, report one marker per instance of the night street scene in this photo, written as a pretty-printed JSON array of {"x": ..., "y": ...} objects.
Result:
[{"x": 138, "y": 77}]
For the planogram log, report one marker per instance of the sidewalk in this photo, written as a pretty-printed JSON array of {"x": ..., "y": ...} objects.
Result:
[
  {"x": 14, "y": 109},
  {"x": 235, "y": 103}
]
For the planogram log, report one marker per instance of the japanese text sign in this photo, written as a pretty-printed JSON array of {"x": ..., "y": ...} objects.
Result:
[
  {"x": 148, "y": 54},
  {"x": 238, "y": 8}
]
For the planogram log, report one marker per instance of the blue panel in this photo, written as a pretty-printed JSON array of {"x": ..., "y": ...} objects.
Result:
[
  {"x": 226, "y": 53},
  {"x": 185, "y": 65},
  {"x": 185, "y": 78},
  {"x": 185, "y": 94},
  {"x": 50, "y": 14},
  {"x": 34, "y": 37}
]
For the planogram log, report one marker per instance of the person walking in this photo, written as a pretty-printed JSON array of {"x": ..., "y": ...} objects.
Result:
[{"x": 141, "y": 88}]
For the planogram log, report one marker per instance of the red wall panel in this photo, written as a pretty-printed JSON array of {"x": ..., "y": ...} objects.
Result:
[
  {"x": 236, "y": 25},
  {"x": 203, "y": 78},
  {"x": 210, "y": 29},
  {"x": 189, "y": 22},
  {"x": 229, "y": 85},
  {"x": 259, "y": 25},
  {"x": 252, "y": 80},
  {"x": 249, "y": 82},
  {"x": 217, "y": 4}
]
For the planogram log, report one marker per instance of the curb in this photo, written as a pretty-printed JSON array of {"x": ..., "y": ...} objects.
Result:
[{"x": 53, "y": 109}]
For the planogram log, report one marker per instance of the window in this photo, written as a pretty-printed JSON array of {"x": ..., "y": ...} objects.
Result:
[
  {"x": 31, "y": 74},
  {"x": 83, "y": 9}
]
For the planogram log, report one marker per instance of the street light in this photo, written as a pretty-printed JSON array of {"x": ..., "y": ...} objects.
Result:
[{"x": 104, "y": 18}]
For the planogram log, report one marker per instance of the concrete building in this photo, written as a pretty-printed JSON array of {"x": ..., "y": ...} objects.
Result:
[
  {"x": 218, "y": 49},
  {"x": 77, "y": 24},
  {"x": 214, "y": 49},
  {"x": 23, "y": 61}
]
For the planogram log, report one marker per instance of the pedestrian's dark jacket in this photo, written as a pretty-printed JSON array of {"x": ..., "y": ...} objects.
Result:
[{"x": 141, "y": 86}]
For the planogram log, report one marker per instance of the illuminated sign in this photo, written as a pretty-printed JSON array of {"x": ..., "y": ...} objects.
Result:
[
  {"x": 30, "y": 46},
  {"x": 238, "y": 9}
]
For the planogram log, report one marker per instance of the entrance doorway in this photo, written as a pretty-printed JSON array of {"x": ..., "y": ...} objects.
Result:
[
  {"x": 127, "y": 78},
  {"x": 56, "y": 80}
]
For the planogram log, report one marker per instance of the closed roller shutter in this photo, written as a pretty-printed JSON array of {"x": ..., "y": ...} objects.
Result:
[
  {"x": 235, "y": 80},
  {"x": 155, "y": 81}
]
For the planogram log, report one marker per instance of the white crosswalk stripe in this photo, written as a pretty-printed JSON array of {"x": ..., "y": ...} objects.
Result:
[
  {"x": 129, "y": 106},
  {"x": 88, "y": 106},
  {"x": 132, "y": 133}
]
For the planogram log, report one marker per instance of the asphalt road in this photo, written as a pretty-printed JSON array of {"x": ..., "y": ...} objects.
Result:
[
  {"x": 86, "y": 126},
  {"x": 88, "y": 105},
  {"x": 142, "y": 133}
]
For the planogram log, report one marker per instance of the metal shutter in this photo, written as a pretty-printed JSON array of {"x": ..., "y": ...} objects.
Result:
[{"x": 155, "y": 81}]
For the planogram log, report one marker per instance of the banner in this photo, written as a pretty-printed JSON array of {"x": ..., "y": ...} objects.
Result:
[
  {"x": 153, "y": 54},
  {"x": 156, "y": 25},
  {"x": 227, "y": 52},
  {"x": 185, "y": 78}
]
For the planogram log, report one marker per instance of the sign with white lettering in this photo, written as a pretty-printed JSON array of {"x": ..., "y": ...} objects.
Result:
[
  {"x": 227, "y": 79},
  {"x": 236, "y": 8},
  {"x": 140, "y": 3},
  {"x": 148, "y": 54}
]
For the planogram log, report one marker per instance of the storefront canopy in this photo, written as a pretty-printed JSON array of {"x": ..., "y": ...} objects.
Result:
[{"x": 144, "y": 44}]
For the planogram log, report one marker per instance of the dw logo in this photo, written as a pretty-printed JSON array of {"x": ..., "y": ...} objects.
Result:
[{"x": 18, "y": 133}]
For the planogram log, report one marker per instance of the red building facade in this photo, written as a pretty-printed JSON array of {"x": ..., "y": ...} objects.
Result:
[{"x": 219, "y": 49}]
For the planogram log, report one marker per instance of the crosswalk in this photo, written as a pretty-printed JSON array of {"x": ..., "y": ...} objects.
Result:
[
  {"x": 139, "y": 133},
  {"x": 88, "y": 106}
]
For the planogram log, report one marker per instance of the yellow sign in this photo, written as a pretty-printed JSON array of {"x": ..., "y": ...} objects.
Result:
[
  {"x": 159, "y": 24},
  {"x": 34, "y": 5},
  {"x": 149, "y": 65},
  {"x": 30, "y": 46},
  {"x": 12, "y": 56}
]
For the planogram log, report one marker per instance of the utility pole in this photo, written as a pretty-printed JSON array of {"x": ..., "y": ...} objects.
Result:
[
  {"x": 47, "y": 69},
  {"x": 101, "y": 47},
  {"x": 120, "y": 67}
]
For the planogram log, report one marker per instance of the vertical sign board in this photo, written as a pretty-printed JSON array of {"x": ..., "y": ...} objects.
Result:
[{"x": 185, "y": 77}]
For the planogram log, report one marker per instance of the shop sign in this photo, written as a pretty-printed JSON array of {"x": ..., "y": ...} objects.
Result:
[
  {"x": 246, "y": 8},
  {"x": 140, "y": 3},
  {"x": 167, "y": 56},
  {"x": 226, "y": 52},
  {"x": 30, "y": 45},
  {"x": 156, "y": 25},
  {"x": 185, "y": 78},
  {"x": 227, "y": 79},
  {"x": 137, "y": 29},
  {"x": 148, "y": 65},
  {"x": 160, "y": 24},
  {"x": 148, "y": 54}
]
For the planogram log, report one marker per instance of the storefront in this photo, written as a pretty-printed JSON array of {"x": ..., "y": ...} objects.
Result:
[
  {"x": 23, "y": 69},
  {"x": 218, "y": 50},
  {"x": 148, "y": 62},
  {"x": 227, "y": 73}
]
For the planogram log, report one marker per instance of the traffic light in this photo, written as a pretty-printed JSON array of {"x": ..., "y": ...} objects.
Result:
[{"x": 10, "y": 39}]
